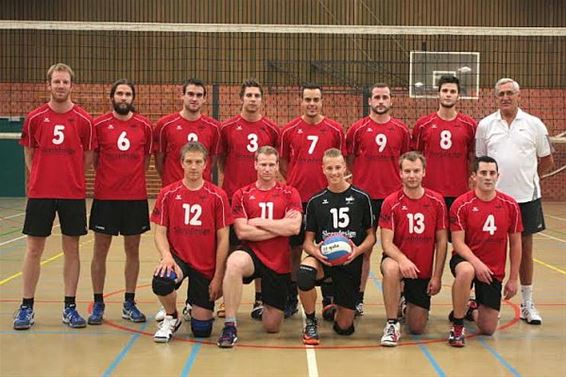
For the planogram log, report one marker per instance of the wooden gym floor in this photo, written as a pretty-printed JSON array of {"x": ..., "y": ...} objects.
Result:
[{"x": 121, "y": 348}]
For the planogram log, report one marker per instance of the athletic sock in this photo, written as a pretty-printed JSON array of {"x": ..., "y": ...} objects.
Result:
[
  {"x": 526, "y": 293},
  {"x": 98, "y": 297},
  {"x": 361, "y": 296},
  {"x": 129, "y": 296},
  {"x": 392, "y": 321},
  {"x": 458, "y": 321},
  {"x": 69, "y": 301},
  {"x": 27, "y": 302},
  {"x": 258, "y": 296},
  {"x": 311, "y": 316},
  {"x": 230, "y": 321}
]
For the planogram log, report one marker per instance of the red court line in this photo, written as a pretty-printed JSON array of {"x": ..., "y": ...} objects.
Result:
[{"x": 115, "y": 325}]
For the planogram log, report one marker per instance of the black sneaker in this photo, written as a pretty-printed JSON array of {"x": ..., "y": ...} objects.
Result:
[
  {"x": 228, "y": 337},
  {"x": 257, "y": 310},
  {"x": 310, "y": 333}
]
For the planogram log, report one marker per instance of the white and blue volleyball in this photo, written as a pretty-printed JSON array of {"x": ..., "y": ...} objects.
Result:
[{"x": 336, "y": 248}]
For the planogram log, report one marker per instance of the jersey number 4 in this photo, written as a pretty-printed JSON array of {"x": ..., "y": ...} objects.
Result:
[{"x": 489, "y": 225}]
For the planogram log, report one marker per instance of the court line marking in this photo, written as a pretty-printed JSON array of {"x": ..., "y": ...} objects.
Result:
[
  {"x": 499, "y": 358},
  {"x": 552, "y": 237},
  {"x": 312, "y": 365},
  {"x": 553, "y": 268},
  {"x": 555, "y": 217},
  {"x": 123, "y": 353},
  {"x": 12, "y": 216},
  {"x": 191, "y": 360},
  {"x": 424, "y": 349},
  {"x": 18, "y": 274},
  {"x": 12, "y": 240}
]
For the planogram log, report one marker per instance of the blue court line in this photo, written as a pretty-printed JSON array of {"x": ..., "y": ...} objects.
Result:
[
  {"x": 123, "y": 353},
  {"x": 191, "y": 360},
  {"x": 499, "y": 358},
  {"x": 422, "y": 347}
]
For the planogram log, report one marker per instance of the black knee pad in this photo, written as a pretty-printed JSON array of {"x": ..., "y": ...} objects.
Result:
[
  {"x": 349, "y": 331},
  {"x": 306, "y": 277},
  {"x": 162, "y": 286},
  {"x": 201, "y": 329}
]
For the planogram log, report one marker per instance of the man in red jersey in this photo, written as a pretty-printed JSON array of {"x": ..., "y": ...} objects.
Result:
[
  {"x": 266, "y": 213},
  {"x": 58, "y": 140},
  {"x": 446, "y": 139},
  {"x": 413, "y": 225},
  {"x": 192, "y": 217},
  {"x": 303, "y": 142},
  {"x": 120, "y": 196},
  {"x": 240, "y": 137},
  {"x": 173, "y": 131},
  {"x": 375, "y": 144},
  {"x": 482, "y": 221}
]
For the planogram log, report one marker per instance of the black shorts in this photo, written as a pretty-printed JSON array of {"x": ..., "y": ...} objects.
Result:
[
  {"x": 298, "y": 239},
  {"x": 415, "y": 292},
  {"x": 125, "y": 217},
  {"x": 486, "y": 294},
  {"x": 198, "y": 285},
  {"x": 376, "y": 209},
  {"x": 40, "y": 214},
  {"x": 346, "y": 282},
  {"x": 532, "y": 216},
  {"x": 274, "y": 286}
]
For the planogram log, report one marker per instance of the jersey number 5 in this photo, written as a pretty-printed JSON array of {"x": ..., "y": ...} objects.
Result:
[{"x": 58, "y": 135}]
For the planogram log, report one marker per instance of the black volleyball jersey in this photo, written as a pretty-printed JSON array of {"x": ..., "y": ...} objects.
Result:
[{"x": 348, "y": 213}]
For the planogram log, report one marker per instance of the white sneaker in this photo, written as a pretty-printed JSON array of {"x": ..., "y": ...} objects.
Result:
[
  {"x": 168, "y": 327},
  {"x": 391, "y": 334},
  {"x": 187, "y": 310},
  {"x": 402, "y": 309},
  {"x": 530, "y": 314},
  {"x": 160, "y": 315}
]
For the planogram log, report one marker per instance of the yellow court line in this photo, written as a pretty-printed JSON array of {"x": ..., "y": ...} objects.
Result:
[
  {"x": 554, "y": 268},
  {"x": 10, "y": 278}
]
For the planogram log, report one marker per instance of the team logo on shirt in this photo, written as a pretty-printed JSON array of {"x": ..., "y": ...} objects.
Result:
[
  {"x": 300, "y": 131},
  {"x": 404, "y": 208},
  {"x": 369, "y": 129},
  {"x": 324, "y": 201},
  {"x": 433, "y": 126},
  {"x": 178, "y": 197},
  {"x": 110, "y": 127},
  {"x": 46, "y": 120},
  {"x": 179, "y": 128},
  {"x": 350, "y": 200},
  {"x": 239, "y": 128},
  {"x": 252, "y": 197},
  {"x": 475, "y": 209}
]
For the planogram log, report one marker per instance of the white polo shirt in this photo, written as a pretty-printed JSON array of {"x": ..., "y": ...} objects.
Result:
[{"x": 516, "y": 149}]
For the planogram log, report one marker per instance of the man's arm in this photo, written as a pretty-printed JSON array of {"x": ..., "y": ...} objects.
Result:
[
  {"x": 88, "y": 159},
  {"x": 365, "y": 246},
  {"x": 545, "y": 164},
  {"x": 159, "y": 163},
  {"x": 439, "y": 261},
  {"x": 406, "y": 266},
  {"x": 287, "y": 226},
  {"x": 245, "y": 231},
  {"x": 222, "y": 243},
  {"x": 28, "y": 157},
  {"x": 515, "y": 252}
]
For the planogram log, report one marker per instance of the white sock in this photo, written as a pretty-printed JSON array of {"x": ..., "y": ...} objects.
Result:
[{"x": 527, "y": 293}]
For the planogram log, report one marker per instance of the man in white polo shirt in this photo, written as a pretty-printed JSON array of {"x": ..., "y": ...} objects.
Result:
[{"x": 519, "y": 142}]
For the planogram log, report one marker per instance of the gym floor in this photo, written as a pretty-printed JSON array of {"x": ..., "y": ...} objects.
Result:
[{"x": 121, "y": 348}]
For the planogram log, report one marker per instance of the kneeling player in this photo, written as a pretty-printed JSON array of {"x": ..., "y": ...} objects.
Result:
[
  {"x": 482, "y": 221},
  {"x": 266, "y": 213},
  {"x": 413, "y": 224},
  {"x": 191, "y": 234},
  {"x": 344, "y": 209}
]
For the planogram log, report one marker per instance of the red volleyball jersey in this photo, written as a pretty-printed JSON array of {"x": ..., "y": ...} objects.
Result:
[
  {"x": 173, "y": 132},
  {"x": 415, "y": 223},
  {"x": 486, "y": 226},
  {"x": 192, "y": 219},
  {"x": 239, "y": 140},
  {"x": 59, "y": 141},
  {"x": 122, "y": 149},
  {"x": 250, "y": 202},
  {"x": 447, "y": 146},
  {"x": 376, "y": 149},
  {"x": 303, "y": 146}
]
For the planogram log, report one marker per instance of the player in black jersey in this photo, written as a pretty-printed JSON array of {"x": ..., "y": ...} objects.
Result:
[{"x": 340, "y": 208}]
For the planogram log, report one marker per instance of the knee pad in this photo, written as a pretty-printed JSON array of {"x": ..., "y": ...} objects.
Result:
[
  {"x": 306, "y": 277},
  {"x": 349, "y": 331},
  {"x": 201, "y": 329},
  {"x": 162, "y": 286}
]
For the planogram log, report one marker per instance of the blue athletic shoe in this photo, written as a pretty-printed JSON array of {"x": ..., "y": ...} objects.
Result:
[
  {"x": 72, "y": 318},
  {"x": 95, "y": 317},
  {"x": 132, "y": 313},
  {"x": 23, "y": 319}
]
